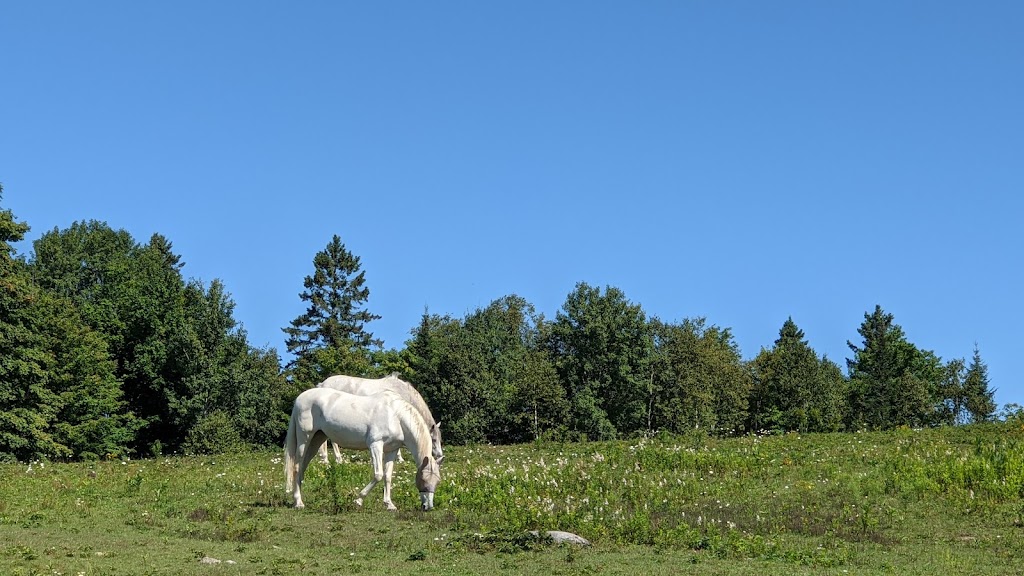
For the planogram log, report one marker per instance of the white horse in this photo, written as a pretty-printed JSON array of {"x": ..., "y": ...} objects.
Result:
[
  {"x": 381, "y": 423},
  {"x": 368, "y": 386}
]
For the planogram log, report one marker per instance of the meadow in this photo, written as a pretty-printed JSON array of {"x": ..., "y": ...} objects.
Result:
[{"x": 934, "y": 501}]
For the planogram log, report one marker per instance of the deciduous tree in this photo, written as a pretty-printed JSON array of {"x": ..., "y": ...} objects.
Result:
[
  {"x": 699, "y": 381},
  {"x": 602, "y": 350},
  {"x": 59, "y": 395}
]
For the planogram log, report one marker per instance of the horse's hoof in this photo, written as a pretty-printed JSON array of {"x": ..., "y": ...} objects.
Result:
[
  {"x": 391, "y": 507},
  {"x": 359, "y": 501},
  {"x": 299, "y": 506}
]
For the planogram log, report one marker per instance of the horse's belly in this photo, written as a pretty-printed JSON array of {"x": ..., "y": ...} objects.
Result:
[{"x": 347, "y": 437}]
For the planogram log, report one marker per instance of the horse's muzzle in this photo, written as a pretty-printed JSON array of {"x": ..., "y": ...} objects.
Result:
[{"x": 427, "y": 500}]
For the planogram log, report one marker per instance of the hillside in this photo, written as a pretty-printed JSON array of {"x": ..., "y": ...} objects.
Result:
[{"x": 908, "y": 501}]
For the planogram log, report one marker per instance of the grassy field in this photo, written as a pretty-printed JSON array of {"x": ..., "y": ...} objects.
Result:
[{"x": 947, "y": 501}]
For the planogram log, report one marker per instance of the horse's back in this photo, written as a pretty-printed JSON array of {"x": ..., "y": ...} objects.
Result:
[
  {"x": 347, "y": 419},
  {"x": 370, "y": 386}
]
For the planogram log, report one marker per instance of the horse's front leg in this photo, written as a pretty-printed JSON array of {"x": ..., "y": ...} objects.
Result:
[
  {"x": 376, "y": 461},
  {"x": 389, "y": 468}
]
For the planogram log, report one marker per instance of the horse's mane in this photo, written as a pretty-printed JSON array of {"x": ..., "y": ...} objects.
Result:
[
  {"x": 413, "y": 397},
  {"x": 411, "y": 417}
]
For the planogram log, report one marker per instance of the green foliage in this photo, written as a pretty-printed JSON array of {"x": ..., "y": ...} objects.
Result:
[
  {"x": 794, "y": 389},
  {"x": 978, "y": 394},
  {"x": 167, "y": 353},
  {"x": 106, "y": 351},
  {"x": 213, "y": 434},
  {"x": 442, "y": 371},
  {"x": 93, "y": 417},
  {"x": 698, "y": 380},
  {"x": 59, "y": 394},
  {"x": 26, "y": 402},
  {"x": 602, "y": 349},
  {"x": 133, "y": 295},
  {"x": 331, "y": 336},
  {"x": 892, "y": 383}
]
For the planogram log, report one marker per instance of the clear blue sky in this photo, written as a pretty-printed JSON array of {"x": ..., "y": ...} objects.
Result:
[{"x": 739, "y": 161}]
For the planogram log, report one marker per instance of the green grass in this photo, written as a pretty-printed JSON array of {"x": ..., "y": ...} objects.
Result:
[{"x": 901, "y": 502}]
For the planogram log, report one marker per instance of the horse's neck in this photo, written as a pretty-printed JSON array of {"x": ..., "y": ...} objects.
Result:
[
  {"x": 417, "y": 435},
  {"x": 412, "y": 396}
]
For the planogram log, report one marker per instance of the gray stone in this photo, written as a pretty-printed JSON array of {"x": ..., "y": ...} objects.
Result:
[{"x": 560, "y": 537}]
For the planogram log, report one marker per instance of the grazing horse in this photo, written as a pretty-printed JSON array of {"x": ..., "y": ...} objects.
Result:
[
  {"x": 381, "y": 423},
  {"x": 368, "y": 386}
]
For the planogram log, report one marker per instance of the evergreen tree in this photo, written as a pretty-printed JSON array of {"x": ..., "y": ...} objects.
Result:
[
  {"x": 27, "y": 405},
  {"x": 92, "y": 418},
  {"x": 793, "y": 388},
  {"x": 331, "y": 336},
  {"x": 978, "y": 395},
  {"x": 892, "y": 383}
]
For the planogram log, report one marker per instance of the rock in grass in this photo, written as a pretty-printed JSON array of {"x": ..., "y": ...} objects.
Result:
[
  {"x": 211, "y": 560},
  {"x": 560, "y": 537}
]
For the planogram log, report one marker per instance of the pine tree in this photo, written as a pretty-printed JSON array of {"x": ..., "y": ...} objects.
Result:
[
  {"x": 977, "y": 393},
  {"x": 891, "y": 381},
  {"x": 793, "y": 388},
  {"x": 331, "y": 336}
]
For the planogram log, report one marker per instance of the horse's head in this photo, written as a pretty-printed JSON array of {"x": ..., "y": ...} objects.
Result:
[
  {"x": 428, "y": 476},
  {"x": 435, "y": 443}
]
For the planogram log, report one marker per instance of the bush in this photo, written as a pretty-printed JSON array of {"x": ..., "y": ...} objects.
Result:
[{"x": 213, "y": 434}]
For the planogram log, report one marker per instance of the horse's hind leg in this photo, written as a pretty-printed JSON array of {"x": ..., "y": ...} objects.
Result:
[
  {"x": 324, "y": 452},
  {"x": 313, "y": 446},
  {"x": 305, "y": 451}
]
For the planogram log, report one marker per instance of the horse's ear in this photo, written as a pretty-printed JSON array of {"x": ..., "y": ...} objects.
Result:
[{"x": 425, "y": 463}]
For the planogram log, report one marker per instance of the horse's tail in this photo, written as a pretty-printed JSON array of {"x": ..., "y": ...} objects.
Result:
[{"x": 290, "y": 448}]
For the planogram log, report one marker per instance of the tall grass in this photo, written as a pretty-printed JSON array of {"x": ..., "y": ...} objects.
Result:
[{"x": 908, "y": 500}]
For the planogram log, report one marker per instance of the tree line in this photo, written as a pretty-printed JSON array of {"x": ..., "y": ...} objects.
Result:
[{"x": 106, "y": 350}]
